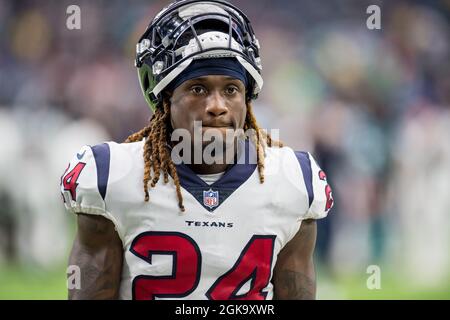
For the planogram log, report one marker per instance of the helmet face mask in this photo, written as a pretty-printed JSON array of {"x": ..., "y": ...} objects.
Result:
[{"x": 193, "y": 29}]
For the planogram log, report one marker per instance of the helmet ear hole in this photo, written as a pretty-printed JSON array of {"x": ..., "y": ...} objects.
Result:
[{"x": 146, "y": 82}]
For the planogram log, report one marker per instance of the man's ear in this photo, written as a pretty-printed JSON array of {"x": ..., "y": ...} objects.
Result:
[
  {"x": 167, "y": 99},
  {"x": 167, "y": 96}
]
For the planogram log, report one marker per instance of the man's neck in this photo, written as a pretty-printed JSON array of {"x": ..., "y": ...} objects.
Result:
[
  {"x": 208, "y": 168},
  {"x": 203, "y": 168},
  {"x": 218, "y": 167}
]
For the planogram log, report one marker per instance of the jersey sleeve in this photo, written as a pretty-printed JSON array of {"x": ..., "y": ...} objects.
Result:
[
  {"x": 320, "y": 195},
  {"x": 84, "y": 182}
]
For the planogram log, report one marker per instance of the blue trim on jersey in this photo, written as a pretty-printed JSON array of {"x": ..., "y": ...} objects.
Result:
[
  {"x": 232, "y": 179},
  {"x": 305, "y": 165},
  {"x": 102, "y": 157}
]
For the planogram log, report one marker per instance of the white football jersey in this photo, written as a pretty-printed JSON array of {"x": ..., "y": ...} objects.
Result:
[{"x": 224, "y": 246}]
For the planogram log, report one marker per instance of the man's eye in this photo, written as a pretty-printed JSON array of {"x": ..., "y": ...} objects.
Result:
[
  {"x": 198, "y": 90},
  {"x": 231, "y": 90}
]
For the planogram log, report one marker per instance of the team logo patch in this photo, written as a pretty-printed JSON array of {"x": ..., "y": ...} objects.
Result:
[{"x": 210, "y": 198}]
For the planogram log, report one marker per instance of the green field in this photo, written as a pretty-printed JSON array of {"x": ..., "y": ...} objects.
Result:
[
  {"x": 354, "y": 288},
  {"x": 25, "y": 283}
]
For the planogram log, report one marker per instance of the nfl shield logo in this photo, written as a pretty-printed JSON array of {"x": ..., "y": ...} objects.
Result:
[{"x": 210, "y": 198}]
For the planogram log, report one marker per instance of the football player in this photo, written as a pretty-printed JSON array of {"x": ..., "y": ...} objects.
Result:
[{"x": 150, "y": 227}]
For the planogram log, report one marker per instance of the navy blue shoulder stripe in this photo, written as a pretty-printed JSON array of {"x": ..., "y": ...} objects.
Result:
[
  {"x": 102, "y": 158},
  {"x": 305, "y": 164}
]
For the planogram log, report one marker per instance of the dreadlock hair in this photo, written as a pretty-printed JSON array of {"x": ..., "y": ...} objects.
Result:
[{"x": 157, "y": 157}]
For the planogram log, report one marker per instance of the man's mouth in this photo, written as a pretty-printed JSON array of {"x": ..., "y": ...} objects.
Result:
[
  {"x": 214, "y": 124},
  {"x": 219, "y": 127}
]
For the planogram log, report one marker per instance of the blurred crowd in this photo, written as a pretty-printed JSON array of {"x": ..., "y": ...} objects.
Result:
[{"x": 373, "y": 106}]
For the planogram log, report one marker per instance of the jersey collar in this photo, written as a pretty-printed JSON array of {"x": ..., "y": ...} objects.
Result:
[{"x": 233, "y": 178}]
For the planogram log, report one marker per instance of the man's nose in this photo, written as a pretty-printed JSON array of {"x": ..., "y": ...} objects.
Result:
[{"x": 216, "y": 104}]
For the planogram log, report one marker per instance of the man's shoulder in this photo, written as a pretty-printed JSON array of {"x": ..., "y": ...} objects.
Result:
[
  {"x": 125, "y": 158},
  {"x": 118, "y": 152},
  {"x": 109, "y": 159},
  {"x": 128, "y": 147},
  {"x": 285, "y": 154},
  {"x": 103, "y": 150},
  {"x": 278, "y": 151}
]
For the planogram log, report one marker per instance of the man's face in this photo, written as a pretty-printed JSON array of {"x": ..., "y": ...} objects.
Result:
[{"x": 217, "y": 101}]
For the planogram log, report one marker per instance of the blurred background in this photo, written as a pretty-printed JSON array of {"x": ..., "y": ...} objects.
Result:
[{"x": 373, "y": 106}]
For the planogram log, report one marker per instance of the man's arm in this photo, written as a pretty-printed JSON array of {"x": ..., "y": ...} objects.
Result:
[
  {"x": 294, "y": 276},
  {"x": 97, "y": 251}
]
